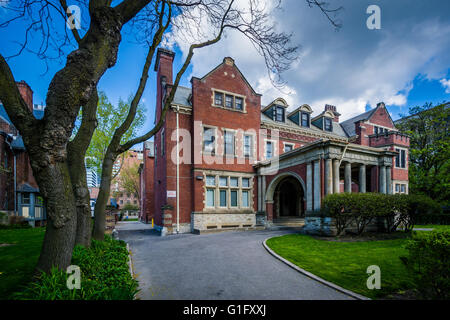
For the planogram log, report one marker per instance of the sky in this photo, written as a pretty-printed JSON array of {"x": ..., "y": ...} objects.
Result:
[{"x": 405, "y": 63}]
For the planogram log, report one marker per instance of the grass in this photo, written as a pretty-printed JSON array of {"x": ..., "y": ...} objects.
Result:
[
  {"x": 434, "y": 226},
  {"x": 345, "y": 263},
  {"x": 17, "y": 260}
]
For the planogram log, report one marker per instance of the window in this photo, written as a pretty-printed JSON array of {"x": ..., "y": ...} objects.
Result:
[
  {"x": 328, "y": 124},
  {"x": 376, "y": 130},
  {"x": 233, "y": 196},
  {"x": 232, "y": 192},
  {"x": 210, "y": 197},
  {"x": 121, "y": 201},
  {"x": 210, "y": 180},
  {"x": 269, "y": 149},
  {"x": 26, "y": 199},
  {"x": 223, "y": 198},
  {"x": 163, "y": 143},
  {"x": 229, "y": 101},
  {"x": 229, "y": 143},
  {"x": 279, "y": 114},
  {"x": 400, "y": 159},
  {"x": 397, "y": 188},
  {"x": 288, "y": 147},
  {"x": 239, "y": 103},
  {"x": 245, "y": 201},
  {"x": 403, "y": 188},
  {"x": 209, "y": 140},
  {"x": 223, "y": 181},
  {"x": 247, "y": 146},
  {"x": 218, "y": 99},
  {"x": 305, "y": 119}
]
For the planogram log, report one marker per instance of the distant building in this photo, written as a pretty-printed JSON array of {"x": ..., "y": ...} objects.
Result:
[
  {"x": 19, "y": 192},
  {"x": 91, "y": 177},
  {"x": 123, "y": 197},
  {"x": 146, "y": 173}
]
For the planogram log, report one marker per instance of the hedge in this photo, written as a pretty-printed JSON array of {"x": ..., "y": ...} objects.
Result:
[
  {"x": 361, "y": 209},
  {"x": 104, "y": 276},
  {"x": 429, "y": 263}
]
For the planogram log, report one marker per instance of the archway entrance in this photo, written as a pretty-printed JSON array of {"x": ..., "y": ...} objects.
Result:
[{"x": 289, "y": 198}]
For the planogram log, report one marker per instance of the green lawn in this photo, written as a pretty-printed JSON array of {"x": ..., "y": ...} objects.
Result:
[
  {"x": 434, "y": 226},
  {"x": 18, "y": 260},
  {"x": 345, "y": 263}
]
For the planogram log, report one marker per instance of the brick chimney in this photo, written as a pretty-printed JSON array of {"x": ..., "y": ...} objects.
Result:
[
  {"x": 164, "y": 75},
  {"x": 26, "y": 93},
  {"x": 332, "y": 109}
]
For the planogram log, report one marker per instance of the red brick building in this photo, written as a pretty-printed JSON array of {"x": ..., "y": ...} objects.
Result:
[
  {"x": 146, "y": 174},
  {"x": 19, "y": 192},
  {"x": 240, "y": 165}
]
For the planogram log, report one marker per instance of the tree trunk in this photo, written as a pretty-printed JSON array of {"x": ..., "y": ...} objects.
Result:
[
  {"x": 103, "y": 196},
  {"x": 56, "y": 188}
]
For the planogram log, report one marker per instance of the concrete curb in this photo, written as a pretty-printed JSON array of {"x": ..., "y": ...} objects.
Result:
[
  {"x": 313, "y": 276},
  {"x": 130, "y": 266}
]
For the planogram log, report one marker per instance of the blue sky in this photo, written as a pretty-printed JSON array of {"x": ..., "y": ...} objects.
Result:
[{"x": 405, "y": 63}]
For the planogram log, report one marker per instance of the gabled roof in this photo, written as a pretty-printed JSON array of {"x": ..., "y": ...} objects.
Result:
[
  {"x": 229, "y": 61},
  {"x": 25, "y": 187},
  {"x": 349, "y": 125}
]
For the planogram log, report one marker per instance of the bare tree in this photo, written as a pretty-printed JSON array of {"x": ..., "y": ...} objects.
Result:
[{"x": 56, "y": 160}]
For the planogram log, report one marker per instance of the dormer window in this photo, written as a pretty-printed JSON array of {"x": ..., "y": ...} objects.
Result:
[
  {"x": 279, "y": 114},
  {"x": 328, "y": 124},
  {"x": 305, "y": 119}
]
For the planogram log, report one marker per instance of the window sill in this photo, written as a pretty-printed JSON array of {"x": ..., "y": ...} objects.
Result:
[{"x": 229, "y": 109}]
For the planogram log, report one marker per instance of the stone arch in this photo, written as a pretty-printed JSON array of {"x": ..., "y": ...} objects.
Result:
[{"x": 274, "y": 183}]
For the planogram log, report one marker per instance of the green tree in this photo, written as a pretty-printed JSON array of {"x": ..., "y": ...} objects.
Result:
[
  {"x": 109, "y": 119},
  {"x": 429, "y": 158},
  {"x": 129, "y": 179}
]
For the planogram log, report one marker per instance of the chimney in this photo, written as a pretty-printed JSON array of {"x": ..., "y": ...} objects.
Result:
[
  {"x": 332, "y": 109},
  {"x": 26, "y": 93},
  {"x": 164, "y": 76}
]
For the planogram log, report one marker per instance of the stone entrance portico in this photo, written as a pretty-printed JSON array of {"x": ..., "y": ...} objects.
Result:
[{"x": 321, "y": 168}]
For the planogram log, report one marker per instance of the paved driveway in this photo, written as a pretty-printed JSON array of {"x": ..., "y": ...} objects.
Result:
[{"x": 229, "y": 265}]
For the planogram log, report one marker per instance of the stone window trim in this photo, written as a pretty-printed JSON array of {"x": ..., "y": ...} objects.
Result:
[
  {"x": 398, "y": 185},
  {"x": 252, "y": 145},
  {"x": 234, "y": 133},
  {"x": 406, "y": 158},
  {"x": 288, "y": 144},
  {"x": 217, "y": 188},
  {"x": 223, "y": 106}
]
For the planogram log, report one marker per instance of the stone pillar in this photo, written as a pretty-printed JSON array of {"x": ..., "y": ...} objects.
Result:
[
  {"x": 260, "y": 200},
  {"x": 317, "y": 185},
  {"x": 348, "y": 177},
  {"x": 382, "y": 179},
  {"x": 336, "y": 178},
  {"x": 388, "y": 180},
  {"x": 309, "y": 187},
  {"x": 328, "y": 176},
  {"x": 362, "y": 178}
]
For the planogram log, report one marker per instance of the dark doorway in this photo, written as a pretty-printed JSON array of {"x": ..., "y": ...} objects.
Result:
[{"x": 289, "y": 198}]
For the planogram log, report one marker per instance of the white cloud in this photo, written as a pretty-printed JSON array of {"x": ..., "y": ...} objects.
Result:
[
  {"x": 351, "y": 68},
  {"x": 446, "y": 84}
]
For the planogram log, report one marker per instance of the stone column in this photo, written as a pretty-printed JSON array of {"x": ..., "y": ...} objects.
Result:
[
  {"x": 362, "y": 178},
  {"x": 260, "y": 200},
  {"x": 336, "y": 178},
  {"x": 309, "y": 187},
  {"x": 317, "y": 185},
  {"x": 382, "y": 179},
  {"x": 328, "y": 176},
  {"x": 269, "y": 208},
  {"x": 388, "y": 180},
  {"x": 348, "y": 177}
]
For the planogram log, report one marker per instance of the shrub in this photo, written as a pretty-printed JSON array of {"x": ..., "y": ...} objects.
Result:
[
  {"x": 429, "y": 263},
  {"x": 104, "y": 276}
]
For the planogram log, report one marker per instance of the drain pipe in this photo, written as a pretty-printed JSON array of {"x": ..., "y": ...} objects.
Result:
[{"x": 178, "y": 175}]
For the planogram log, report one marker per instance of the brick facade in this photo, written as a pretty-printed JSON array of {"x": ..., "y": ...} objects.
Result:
[{"x": 220, "y": 118}]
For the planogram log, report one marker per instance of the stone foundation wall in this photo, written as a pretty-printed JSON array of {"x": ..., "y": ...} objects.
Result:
[
  {"x": 212, "y": 221},
  {"x": 325, "y": 226}
]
